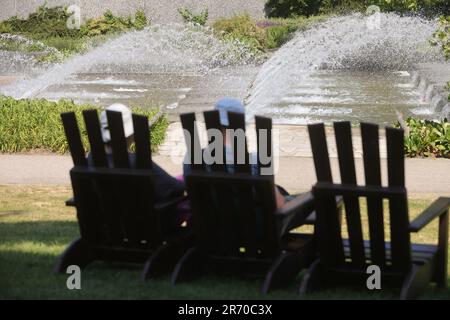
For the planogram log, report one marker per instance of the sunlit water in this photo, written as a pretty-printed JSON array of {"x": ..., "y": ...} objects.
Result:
[
  {"x": 339, "y": 70},
  {"x": 345, "y": 69}
]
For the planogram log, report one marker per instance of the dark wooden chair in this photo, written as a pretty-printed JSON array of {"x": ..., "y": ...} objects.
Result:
[
  {"x": 235, "y": 218},
  {"x": 344, "y": 262},
  {"x": 118, "y": 216}
]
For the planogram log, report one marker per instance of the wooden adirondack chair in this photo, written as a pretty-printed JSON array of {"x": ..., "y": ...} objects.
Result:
[
  {"x": 118, "y": 217},
  {"x": 235, "y": 216},
  {"x": 344, "y": 262}
]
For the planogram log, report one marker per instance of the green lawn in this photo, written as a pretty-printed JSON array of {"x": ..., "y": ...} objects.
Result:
[{"x": 35, "y": 228}]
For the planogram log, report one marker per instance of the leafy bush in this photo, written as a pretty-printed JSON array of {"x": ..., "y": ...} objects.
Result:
[
  {"x": 48, "y": 25},
  {"x": 196, "y": 19},
  {"x": 290, "y": 8},
  {"x": 264, "y": 34},
  {"x": 442, "y": 36},
  {"x": 35, "y": 124},
  {"x": 427, "y": 138},
  {"x": 244, "y": 29},
  {"x": 51, "y": 22},
  {"x": 45, "y": 22},
  {"x": 110, "y": 23}
]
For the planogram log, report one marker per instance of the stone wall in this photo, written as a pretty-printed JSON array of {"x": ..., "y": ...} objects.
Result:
[{"x": 159, "y": 11}]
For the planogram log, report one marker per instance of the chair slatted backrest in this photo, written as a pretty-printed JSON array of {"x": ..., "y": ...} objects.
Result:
[
  {"x": 192, "y": 139},
  {"x": 113, "y": 193},
  {"x": 88, "y": 224},
  {"x": 229, "y": 223},
  {"x": 233, "y": 213},
  {"x": 265, "y": 157},
  {"x": 331, "y": 246}
]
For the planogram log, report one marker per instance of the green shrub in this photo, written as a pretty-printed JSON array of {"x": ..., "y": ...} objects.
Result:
[
  {"x": 35, "y": 124},
  {"x": 261, "y": 35},
  {"x": 290, "y": 8},
  {"x": 45, "y": 22},
  {"x": 442, "y": 36},
  {"x": 197, "y": 19},
  {"x": 109, "y": 23},
  {"x": 48, "y": 25},
  {"x": 244, "y": 29},
  {"x": 51, "y": 22},
  {"x": 427, "y": 138}
]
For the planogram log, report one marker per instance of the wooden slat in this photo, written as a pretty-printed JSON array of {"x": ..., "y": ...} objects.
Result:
[
  {"x": 372, "y": 171},
  {"x": 240, "y": 152},
  {"x": 142, "y": 142},
  {"x": 327, "y": 229},
  {"x": 95, "y": 138},
  {"x": 118, "y": 141},
  {"x": 192, "y": 139},
  {"x": 224, "y": 198},
  {"x": 320, "y": 152},
  {"x": 264, "y": 142},
  {"x": 247, "y": 217},
  {"x": 398, "y": 207},
  {"x": 270, "y": 239},
  {"x": 213, "y": 126},
  {"x": 73, "y": 136},
  {"x": 204, "y": 219},
  {"x": 89, "y": 213},
  {"x": 343, "y": 133}
]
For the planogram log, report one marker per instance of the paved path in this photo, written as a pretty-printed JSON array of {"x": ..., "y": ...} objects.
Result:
[{"x": 424, "y": 177}]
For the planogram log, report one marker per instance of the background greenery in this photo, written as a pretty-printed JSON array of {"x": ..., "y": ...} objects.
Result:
[
  {"x": 48, "y": 26},
  {"x": 35, "y": 124},
  {"x": 292, "y": 8},
  {"x": 427, "y": 138},
  {"x": 262, "y": 35}
]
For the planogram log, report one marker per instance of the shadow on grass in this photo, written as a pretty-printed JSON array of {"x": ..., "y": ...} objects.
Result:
[{"x": 29, "y": 251}]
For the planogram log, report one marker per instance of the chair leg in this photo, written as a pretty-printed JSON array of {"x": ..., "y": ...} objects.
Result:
[
  {"x": 416, "y": 281},
  {"x": 284, "y": 270},
  {"x": 440, "y": 273},
  {"x": 190, "y": 266},
  {"x": 312, "y": 280},
  {"x": 160, "y": 262},
  {"x": 77, "y": 253}
]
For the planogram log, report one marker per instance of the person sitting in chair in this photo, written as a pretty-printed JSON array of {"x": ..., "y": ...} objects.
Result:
[
  {"x": 282, "y": 197},
  {"x": 166, "y": 187}
]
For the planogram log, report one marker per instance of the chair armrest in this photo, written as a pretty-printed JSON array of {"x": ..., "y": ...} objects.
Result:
[
  {"x": 295, "y": 212},
  {"x": 436, "y": 209},
  {"x": 162, "y": 206},
  {"x": 302, "y": 202},
  {"x": 70, "y": 202}
]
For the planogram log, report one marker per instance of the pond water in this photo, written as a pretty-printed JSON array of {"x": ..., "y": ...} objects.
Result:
[
  {"x": 334, "y": 95},
  {"x": 338, "y": 70}
]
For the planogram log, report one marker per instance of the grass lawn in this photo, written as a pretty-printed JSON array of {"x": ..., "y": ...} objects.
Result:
[{"x": 35, "y": 227}]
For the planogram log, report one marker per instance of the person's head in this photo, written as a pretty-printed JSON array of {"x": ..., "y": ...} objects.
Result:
[
  {"x": 224, "y": 106},
  {"x": 127, "y": 119}
]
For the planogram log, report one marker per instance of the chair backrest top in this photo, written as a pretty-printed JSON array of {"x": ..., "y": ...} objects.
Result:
[
  {"x": 113, "y": 192},
  {"x": 358, "y": 254}
]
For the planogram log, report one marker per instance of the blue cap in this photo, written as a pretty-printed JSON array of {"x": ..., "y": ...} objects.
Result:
[{"x": 226, "y": 105}]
